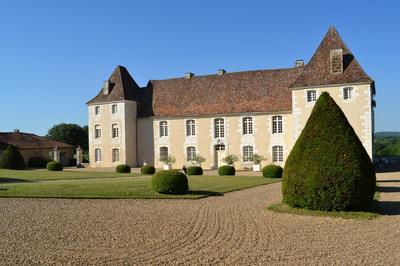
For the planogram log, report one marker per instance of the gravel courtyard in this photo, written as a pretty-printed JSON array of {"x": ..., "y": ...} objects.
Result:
[{"x": 232, "y": 229}]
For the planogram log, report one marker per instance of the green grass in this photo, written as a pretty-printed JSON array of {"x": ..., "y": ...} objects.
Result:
[{"x": 110, "y": 185}]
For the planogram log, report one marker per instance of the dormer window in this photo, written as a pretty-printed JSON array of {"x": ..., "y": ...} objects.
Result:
[{"x": 336, "y": 60}]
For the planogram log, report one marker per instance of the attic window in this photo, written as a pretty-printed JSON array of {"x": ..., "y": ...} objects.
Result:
[{"x": 336, "y": 60}]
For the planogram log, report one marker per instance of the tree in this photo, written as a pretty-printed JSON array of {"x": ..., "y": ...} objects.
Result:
[
  {"x": 12, "y": 159},
  {"x": 328, "y": 167},
  {"x": 72, "y": 134}
]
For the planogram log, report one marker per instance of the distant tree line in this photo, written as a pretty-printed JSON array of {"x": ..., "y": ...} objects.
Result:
[
  {"x": 72, "y": 134},
  {"x": 387, "y": 144}
]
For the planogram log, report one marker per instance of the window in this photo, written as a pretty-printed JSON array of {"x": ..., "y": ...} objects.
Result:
[
  {"x": 115, "y": 155},
  {"x": 163, "y": 152},
  {"x": 190, "y": 128},
  {"x": 115, "y": 131},
  {"x": 163, "y": 129},
  {"x": 347, "y": 93},
  {"x": 219, "y": 128},
  {"x": 97, "y": 132},
  {"x": 247, "y": 153},
  {"x": 97, "y": 110},
  {"x": 277, "y": 153},
  {"x": 114, "y": 109},
  {"x": 97, "y": 155},
  {"x": 247, "y": 125},
  {"x": 190, "y": 153},
  {"x": 277, "y": 124},
  {"x": 311, "y": 96},
  {"x": 220, "y": 147}
]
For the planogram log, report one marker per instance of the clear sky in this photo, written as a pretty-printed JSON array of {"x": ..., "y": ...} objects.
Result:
[{"x": 54, "y": 55}]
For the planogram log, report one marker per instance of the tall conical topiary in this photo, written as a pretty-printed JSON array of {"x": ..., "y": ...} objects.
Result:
[
  {"x": 328, "y": 167},
  {"x": 12, "y": 159}
]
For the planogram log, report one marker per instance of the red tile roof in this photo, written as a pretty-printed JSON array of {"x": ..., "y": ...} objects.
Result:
[{"x": 29, "y": 141}]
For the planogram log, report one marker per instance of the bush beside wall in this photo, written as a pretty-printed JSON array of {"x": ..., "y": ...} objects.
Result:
[
  {"x": 148, "y": 170},
  {"x": 272, "y": 171},
  {"x": 195, "y": 170},
  {"x": 226, "y": 170},
  {"x": 170, "y": 182},
  {"x": 12, "y": 159},
  {"x": 123, "y": 168},
  {"x": 54, "y": 166}
]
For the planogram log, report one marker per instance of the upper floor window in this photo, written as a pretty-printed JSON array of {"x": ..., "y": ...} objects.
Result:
[
  {"x": 97, "y": 110},
  {"x": 347, "y": 93},
  {"x": 97, "y": 155},
  {"x": 311, "y": 96},
  {"x": 115, "y": 155},
  {"x": 114, "y": 109},
  {"x": 97, "y": 132},
  {"x": 247, "y": 123},
  {"x": 277, "y": 153},
  {"x": 163, "y": 129},
  {"x": 190, "y": 128},
  {"x": 277, "y": 124},
  {"x": 247, "y": 153},
  {"x": 163, "y": 152},
  {"x": 219, "y": 128},
  {"x": 190, "y": 153},
  {"x": 115, "y": 131}
]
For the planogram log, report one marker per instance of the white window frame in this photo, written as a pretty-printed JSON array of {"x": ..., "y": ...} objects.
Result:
[
  {"x": 247, "y": 124},
  {"x": 115, "y": 155},
  {"x": 97, "y": 132},
  {"x": 163, "y": 129},
  {"x": 311, "y": 96},
  {"x": 277, "y": 124},
  {"x": 190, "y": 153},
  {"x": 97, "y": 110},
  {"x": 190, "y": 128},
  {"x": 219, "y": 128},
  {"x": 348, "y": 93},
  {"x": 248, "y": 154},
  {"x": 277, "y": 153},
  {"x": 114, "y": 109},
  {"x": 114, "y": 131},
  {"x": 164, "y": 151},
  {"x": 97, "y": 155}
]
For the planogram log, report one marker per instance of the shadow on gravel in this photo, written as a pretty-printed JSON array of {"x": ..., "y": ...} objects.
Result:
[
  {"x": 12, "y": 180},
  {"x": 205, "y": 193},
  {"x": 387, "y": 207}
]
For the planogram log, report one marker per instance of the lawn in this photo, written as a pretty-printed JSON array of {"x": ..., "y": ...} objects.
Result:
[{"x": 109, "y": 185}]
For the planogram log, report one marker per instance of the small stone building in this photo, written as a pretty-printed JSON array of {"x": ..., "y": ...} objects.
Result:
[{"x": 30, "y": 145}]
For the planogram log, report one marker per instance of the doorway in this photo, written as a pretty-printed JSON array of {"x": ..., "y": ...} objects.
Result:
[{"x": 219, "y": 154}]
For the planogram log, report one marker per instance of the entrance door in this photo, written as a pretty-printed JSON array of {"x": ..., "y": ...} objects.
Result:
[
  {"x": 63, "y": 158},
  {"x": 219, "y": 154}
]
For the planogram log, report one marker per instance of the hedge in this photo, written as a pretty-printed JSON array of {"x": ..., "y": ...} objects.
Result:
[
  {"x": 170, "y": 182},
  {"x": 54, "y": 166},
  {"x": 12, "y": 159},
  {"x": 195, "y": 170},
  {"x": 272, "y": 171},
  {"x": 148, "y": 170},
  {"x": 226, "y": 170},
  {"x": 39, "y": 162},
  {"x": 123, "y": 168}
]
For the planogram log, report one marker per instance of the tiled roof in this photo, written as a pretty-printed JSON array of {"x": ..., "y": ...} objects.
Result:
[
  {"x": 123, "y": 87},
  {"x": 317, "y": 72},
  {"x": 29, "y": 141}
]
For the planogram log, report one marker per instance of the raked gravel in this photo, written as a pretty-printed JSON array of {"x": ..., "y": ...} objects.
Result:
[{"x": 234, "y": 229}]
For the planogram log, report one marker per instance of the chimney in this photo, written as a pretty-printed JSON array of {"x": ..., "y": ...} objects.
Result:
[
  {"x": 336, "y": 60},
  {"x": 106, "y": 87},
  {"x": 189, "y": 75},
  {"x": 299, "y": 63},
  {"x": 221, "y": 72},
  {"x": 16, "y": 131}
]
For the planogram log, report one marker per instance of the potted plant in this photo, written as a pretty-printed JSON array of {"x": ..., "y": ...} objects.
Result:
[
  {"x": 167, "y": 161},
  {"x": 197, "y": 160},
  {"x": 257, "y": 159},
  {"x": 230, "y": 159}
]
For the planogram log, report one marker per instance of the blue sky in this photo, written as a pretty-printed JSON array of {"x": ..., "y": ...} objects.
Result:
[{"x": 54, "y": 55}]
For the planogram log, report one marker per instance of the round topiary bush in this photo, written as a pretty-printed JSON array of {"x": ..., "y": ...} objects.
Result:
[
  {"x": 54, "y": 166},
  {"x": 148, "y": 170},
  {"x": 272, "y": 171},
  {"x": 12, "y": 159},
  {"x": 195, "y": 170},
  {"x": 328, "y": 167},
  {"x": 170, "y": 182},
  {"x": 38, "y": 162},
  {"x": 226, "y": 170},
  {"x": 123, "y": 168}
]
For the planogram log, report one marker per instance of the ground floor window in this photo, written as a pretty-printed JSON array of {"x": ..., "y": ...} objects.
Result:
[
  {"x": 247, "y": 153},
  {"x": 115, "y": 155},
  {"x": 277, "y": 153},
  {"x": 190, "y": 153},
  {"x": 163, "y": 152},
  {"x": 220, "y": 147},
  {"x": 97, "y": 155}
]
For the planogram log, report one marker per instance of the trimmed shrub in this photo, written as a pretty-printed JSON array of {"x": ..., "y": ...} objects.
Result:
[
  {"x": 54, "y": 166},
  {"x": 170, "y": 182},
  {"x": 12, "y": 159},
  {"x": 226, "y": 170},
  {"x": 195, "y": 170},
  {"x": 148, "y": 170},
  {"x": 328, "y": 167},
  {"x": 272, "y": 171},
  {"x": 123, "y": 168},
  {"x": 39, "y": 162}
]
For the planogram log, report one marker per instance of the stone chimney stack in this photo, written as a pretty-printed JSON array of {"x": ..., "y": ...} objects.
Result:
[
  {"x": 16, "y": 131},
  {"x": 221, "y": 72},
  {"x": 336, "y": 60},
  {"x": 189, "y": 75},
  {"x": 299, "y": 63},
  {"x": 106, "y": 87}
]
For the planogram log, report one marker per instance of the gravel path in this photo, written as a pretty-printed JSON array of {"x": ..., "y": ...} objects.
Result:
[{"x": 232, "y": 229}]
